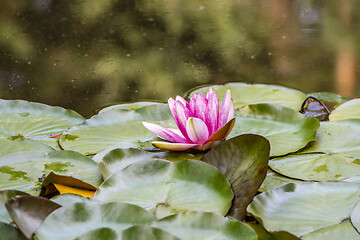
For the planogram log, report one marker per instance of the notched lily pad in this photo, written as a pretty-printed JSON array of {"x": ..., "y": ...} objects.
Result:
[
  {"x": 21, "y": 119},
  {"x": 113, "y": 128},
  {"x": 23, "y": 170},
  {"x": 334, "y": 155},
  {"x": 203, "y": 225},
  {"x": 78, "y": 219},
  {"x": 245, "y": 94},
  {"x": 303, "y": 208},
  {"x": 177, "y": 186},
  {"x": 287, "y": 130},
  {"x": 118, "y": 159}
]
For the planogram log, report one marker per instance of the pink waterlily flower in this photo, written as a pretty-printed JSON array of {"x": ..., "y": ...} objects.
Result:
[{"x": 200, "y": 122}]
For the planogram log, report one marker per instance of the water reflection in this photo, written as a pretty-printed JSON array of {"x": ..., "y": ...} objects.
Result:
[{"x": 83, "y": 54}]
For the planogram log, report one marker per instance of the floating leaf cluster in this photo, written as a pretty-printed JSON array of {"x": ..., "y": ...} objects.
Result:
[{"x": 290, "y": 169}]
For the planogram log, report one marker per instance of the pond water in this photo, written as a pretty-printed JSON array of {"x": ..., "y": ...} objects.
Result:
[{"x": 85, "y": 54}]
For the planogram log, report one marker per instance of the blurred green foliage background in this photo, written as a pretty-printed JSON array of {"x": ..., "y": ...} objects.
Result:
[{"x": 83, "y": 54}]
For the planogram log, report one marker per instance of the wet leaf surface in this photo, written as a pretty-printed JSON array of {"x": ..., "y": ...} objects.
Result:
[
  {"x": 28, "y": 212},
  {"x": 243, "y": 161},
  {"x": 176, "y": 186}
]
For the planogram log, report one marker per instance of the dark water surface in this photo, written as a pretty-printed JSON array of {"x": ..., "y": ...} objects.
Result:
[{"x": 85, "y": 54}]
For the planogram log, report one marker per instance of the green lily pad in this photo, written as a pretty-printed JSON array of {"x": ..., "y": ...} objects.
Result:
[
  {"x": 302, "y": 208},
  {"x": 355, "y": 216},
  {"x": 202, "y": 225},
  {"x": 12, "y": 144},
  {"x": 5, "y": 196},
  {"x": 70, "y": 198},
  {"x": 262, "y": 234},
  {"x": 77, "y": 219},
  {"x": 287, "y": 130},
  {"x": 339, "y": 231},
  {"x": 328, "y": 97},
  {"x": 354, "y": 179},
  {"x": 28, "y": 212},
  {"x": 100, "y": 233},
  {"x": 243, "y": 161},
  {"x": 183, "y": 185},
  {"x": 348, "y": 110},
  {"x": 22, "y": 170},
  {"x": 143, "y": 232},
  {"x": 335, "y": 154},
  {"x": 274, "y": 180},
  {"x": 9, "y": 232},
  {"x": 118, "y": 159},
  {"x": 245, "y": 94},
  {"x": 129, "y": 106},
  {"x": 29, "y": 120},
  {"x": 112, "y": 128}
]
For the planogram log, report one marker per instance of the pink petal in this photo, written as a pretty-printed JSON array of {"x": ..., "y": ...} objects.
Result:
[
  {"x": 200, "y": 106},
  {"x": 212, "y": 110},
  {"x": 173, "y": 146},
  {"x": 193, "y": 103},
  {"x": 209, "y": 93},
  {"x": 164, "y": 133},
  {"x": 227, "y": 110},
  {"x": 183, "y": 101},
  {"x": 182, "y": 115},
  {"x": 222, "y": 132},
  {"x": 197, "y": 130},
  {"x": 172, "y": 107}
]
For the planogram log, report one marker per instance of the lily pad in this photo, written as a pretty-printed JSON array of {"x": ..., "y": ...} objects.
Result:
[
  {"x": 70, "y": 198},
  {"x": 22, "y": 170},
  {"x": 13, "y": 144},
  {"x": 118, "y": 159},
  {"x": 306, "y": 207},
  {"x": 202, "y": 225},
  {"x": 29, "y": 120},
  {"x": 28, "y": 212},
  {"x": 243, "y": 161},
  {"x": 100, "y": 233},
  {"x": 77, "y": 219},
  {"x": 348, "y": 110},
  {"x": 287, "y": 130},
  {"x": 129, "y": 106},
  {"x": 335, "y": 154},
  {"x": 245, "y": 94},
  {"x": 9, "y": 232},
  {"x": 328, "y": 97},
  {"x": 274, "y": 180},
  {"x": 262, "y": 234},
  {"x": 143, "y": 232},
  {"x": 112, "y": 128},
  {"x": 5, "y": 196},
  {"x": 183, "y": 185},
  {"x": 355, "y": 216},
  {"x": 339, "y": 231}
]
